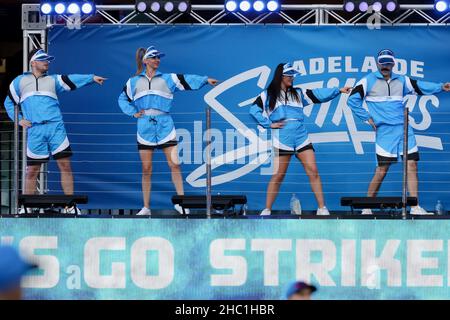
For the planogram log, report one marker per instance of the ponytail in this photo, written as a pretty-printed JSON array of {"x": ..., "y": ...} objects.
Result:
[{"x": 139, "y": 55}]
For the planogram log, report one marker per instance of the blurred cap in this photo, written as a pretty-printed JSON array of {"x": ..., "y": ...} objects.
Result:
[
  {"x": 12, "y": 267},
  {"x": 299, "y": 286}
]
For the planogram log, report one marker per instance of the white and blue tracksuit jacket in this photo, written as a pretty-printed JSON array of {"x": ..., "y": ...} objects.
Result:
[
  {"x": 38, "y": 101},
  {"x": 385, "y": 102},
  {"x": 156, "y": 93},
  {"x": 293, "y": 136}
]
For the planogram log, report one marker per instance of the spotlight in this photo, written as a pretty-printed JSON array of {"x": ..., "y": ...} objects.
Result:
[
  {"x": 258, "y": 5},
  {"x": 272, "y": 5},
  {"x": 244, "y": 5},
  {"x": 377, "y": 6},
  {"x": 183, "y": 6},
  {"x": 441, "y": 5},
  {"x": 231, "y": 5},
  {"x": 349, "y": 6},
  {"x": 363, "y": 6},
  {"x": 46, "y": 8},
  {"x": 155, "y": 6},
  {"x": 141, "y": 6},
  {"x": 391, "y": 6},
  {"x": 168, "y": 6},
  {"x": 87, "y": 8},
  {"x": 60, "y": 8},
  {"x": 73, "y": 8}
]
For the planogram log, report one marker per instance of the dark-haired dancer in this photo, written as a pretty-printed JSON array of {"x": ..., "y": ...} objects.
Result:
[
  {"x": 280, "y": 108},
  {"x": 148, "y": 96}
]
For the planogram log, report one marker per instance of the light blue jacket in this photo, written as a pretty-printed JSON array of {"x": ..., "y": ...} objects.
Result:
[
  {"x": 287, "y": 107},
  {"x": 385, "y": 99},
  {"x": 141, "y": 92},
  {"x": 38, "y": 98}
]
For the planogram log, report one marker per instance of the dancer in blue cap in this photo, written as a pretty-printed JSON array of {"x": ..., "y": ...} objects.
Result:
[
  {"x": 36, "y": 94},
  {"x": 148, "y": 96},
  {"x": 384, "y": 92},
  {"x": 280, "y": 108}
]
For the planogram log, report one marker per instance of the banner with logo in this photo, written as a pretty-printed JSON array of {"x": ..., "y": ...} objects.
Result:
[
  {"x": 106, "y": 162},
  {"x": 231, "y": 259}
]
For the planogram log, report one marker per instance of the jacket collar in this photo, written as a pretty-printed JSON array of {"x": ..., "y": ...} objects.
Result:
[
  {"x": 143, "y": 73},
  {"x": 380, "y": 76}
]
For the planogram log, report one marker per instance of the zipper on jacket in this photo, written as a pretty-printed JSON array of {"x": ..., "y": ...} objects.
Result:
[{"x": 389, "y": 88}]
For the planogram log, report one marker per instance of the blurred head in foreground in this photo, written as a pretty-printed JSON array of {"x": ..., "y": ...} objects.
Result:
[{"x": 12, "y": 268}]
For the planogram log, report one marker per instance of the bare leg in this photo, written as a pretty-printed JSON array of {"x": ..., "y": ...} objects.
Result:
[
  {"x": 174, "y": 165},
  {"x": 31, "y": 179},
  {"x": 375, "y": 184},
  {"x": 281, "y": 166},
  {"x": 308, "y": 159},
  {"x": 66, "y": 175},
  {"x": 146, "y": 159},
  {"x": 413, "y": 181}
]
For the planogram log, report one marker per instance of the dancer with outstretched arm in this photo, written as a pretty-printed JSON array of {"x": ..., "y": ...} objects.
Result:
[
  {"x": 384, "y": 93},
  {"x": 35, "y": 93},
  {"x": 148, "y": 96},
  {"x": 280, "y": 108}
]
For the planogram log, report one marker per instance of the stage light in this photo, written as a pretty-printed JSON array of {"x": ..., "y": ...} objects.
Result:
[
  {"x": 183, "y": 6},
  {"x": 363, "y": 6},
  {"x": 46, "y": 8},
  {"x": 349, "y": 6},
  {"x": 245, "y": 5},
  {"x": 258, "y": 5},
  {"x": 231, "y": 5},
  {"x": 272, "y": 5},
  {"x": 73, "y": 8},
  {"x": 60, "y": 8},
  {"x": 391, "y": 6},
  {"x": 441, "y": 5},
  {"x": 141, "y": 6},
  {"x": 168, "y": 6},
  {"x": 377, "y": 6},
  {"x": 155, "y": 6},
  {"x": 87, "y": 8}
]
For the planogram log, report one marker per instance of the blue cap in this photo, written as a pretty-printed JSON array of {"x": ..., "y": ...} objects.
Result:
[
  {"x": 297, "y": 287},
  {"x": 152, "y": 52},
  {"x": 289, "y": 71},
  {"x": 386, "y": 56},
  {"x": 12, "y": 267},
  {"x": 41, "y": 55}
]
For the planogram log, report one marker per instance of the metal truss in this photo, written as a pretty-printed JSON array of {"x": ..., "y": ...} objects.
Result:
[{"x": 289, "y": 14}]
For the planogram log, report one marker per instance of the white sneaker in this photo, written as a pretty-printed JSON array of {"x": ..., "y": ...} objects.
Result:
[
  {"x": 144, "y": 212},
  {"x": 22, "y": 210},
  {"x": 417, "y": 210},
  {"x": 180, "y": 209},
  {"x": 366, "y": 211},
  {"x": 265, "y": 212},
  {"x": 323, "y": 212},
  {"x": 72, "y": 210}
]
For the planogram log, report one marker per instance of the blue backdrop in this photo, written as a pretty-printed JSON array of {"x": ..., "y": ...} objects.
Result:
[{"x": 106, "y": 162}]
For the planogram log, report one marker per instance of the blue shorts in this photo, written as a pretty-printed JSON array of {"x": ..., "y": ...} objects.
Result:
[
  {"x": 47, "y": 138},
  {"x": 292, "y": 138},
  {"x": 156, "y": 132},
  {"x": 389, "y": 144}
]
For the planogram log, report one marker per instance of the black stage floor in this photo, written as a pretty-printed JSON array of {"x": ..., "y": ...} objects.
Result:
[{"x": 167, "y": 214}]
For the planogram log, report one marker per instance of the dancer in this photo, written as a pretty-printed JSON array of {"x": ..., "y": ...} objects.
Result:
[
  {"x": 36, "y": 94},
  {"x": 280, "y": 108},
  {"x": 148, "y": 96},
  {"x": 384, "y": 92}
]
